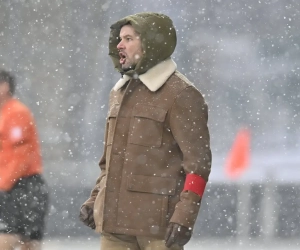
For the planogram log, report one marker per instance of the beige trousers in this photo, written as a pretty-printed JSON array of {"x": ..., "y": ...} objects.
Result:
[{"x": 127, "y": 242}]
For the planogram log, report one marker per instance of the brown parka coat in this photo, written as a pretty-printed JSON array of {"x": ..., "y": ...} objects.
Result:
[{"x": 156, "y": 134}]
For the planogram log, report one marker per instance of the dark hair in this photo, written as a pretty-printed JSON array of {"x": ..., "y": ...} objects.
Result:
[{"x": 7, "y": 77}]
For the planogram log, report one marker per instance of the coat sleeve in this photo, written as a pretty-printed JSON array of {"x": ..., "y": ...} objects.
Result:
[
  {"x": 16, "y": 149},
  {"x": 188, "y": 122}
]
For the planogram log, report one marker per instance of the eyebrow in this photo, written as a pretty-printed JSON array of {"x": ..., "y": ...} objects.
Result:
[{"x": 126, "y": 36}]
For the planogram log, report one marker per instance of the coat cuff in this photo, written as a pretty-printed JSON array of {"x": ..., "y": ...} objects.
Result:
[{"x": 187, "y": 209}]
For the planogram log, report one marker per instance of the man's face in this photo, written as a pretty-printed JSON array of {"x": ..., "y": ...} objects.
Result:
[
  {"x": 4, "y": 90},
  {"x": 130, "y": 47}
]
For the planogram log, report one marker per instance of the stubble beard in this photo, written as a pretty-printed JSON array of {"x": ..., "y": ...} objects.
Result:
[{"x": 128, "y": 67}]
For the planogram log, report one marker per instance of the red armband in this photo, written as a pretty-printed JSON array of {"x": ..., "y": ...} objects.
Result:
[{"x": 194, "y": 183}]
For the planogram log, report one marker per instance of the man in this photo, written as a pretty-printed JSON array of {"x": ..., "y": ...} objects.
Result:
[
  {"x": 157, "y": 156},
  {"x": 23, "y": 192}
]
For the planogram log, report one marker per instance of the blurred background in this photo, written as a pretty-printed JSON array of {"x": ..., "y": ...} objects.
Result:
[{"x": 242, "y": 55}]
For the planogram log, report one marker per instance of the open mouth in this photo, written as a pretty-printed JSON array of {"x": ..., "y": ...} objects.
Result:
[{"x": 122, "y": 57}]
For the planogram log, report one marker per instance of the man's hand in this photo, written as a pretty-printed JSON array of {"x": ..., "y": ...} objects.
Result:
[
  {"x": 177, "y": 234},
  {"x": 87, "y": 217}
]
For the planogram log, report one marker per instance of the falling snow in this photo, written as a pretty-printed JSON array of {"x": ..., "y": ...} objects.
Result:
[{"x": 243, "y": 55}]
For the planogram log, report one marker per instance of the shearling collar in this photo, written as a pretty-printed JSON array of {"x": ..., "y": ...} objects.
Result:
[{"x": 154, "y": 78}]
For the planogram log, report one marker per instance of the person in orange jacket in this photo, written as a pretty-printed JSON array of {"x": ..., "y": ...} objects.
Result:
[{"x": 23, "y": 191}]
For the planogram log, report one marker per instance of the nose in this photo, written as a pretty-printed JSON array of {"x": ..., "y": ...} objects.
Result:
[{"x": 120, "y": 45}]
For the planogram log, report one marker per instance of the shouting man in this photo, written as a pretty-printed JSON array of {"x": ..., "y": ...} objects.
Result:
[{"x": 157, "y": 156}]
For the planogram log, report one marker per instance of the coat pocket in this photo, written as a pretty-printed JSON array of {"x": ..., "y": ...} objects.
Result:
[
  {"x": 150, "y": 195},
  {"x": 147, "y": 125},
  {"x": 150, "y": 184}
]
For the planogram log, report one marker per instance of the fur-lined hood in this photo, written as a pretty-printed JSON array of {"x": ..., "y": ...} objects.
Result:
[{"x": 158, "y": 40}]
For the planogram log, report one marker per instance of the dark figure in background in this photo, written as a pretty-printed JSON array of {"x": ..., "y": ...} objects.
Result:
[
  {"x": 157, "y": 156},
  {"x": 23, "y": 192}
]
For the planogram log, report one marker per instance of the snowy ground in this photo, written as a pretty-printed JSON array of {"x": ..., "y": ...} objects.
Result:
[{"x": 211, "y": 244}]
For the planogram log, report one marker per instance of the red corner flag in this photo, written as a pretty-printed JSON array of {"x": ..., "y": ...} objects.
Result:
[{"x": 238, "y": 158}]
